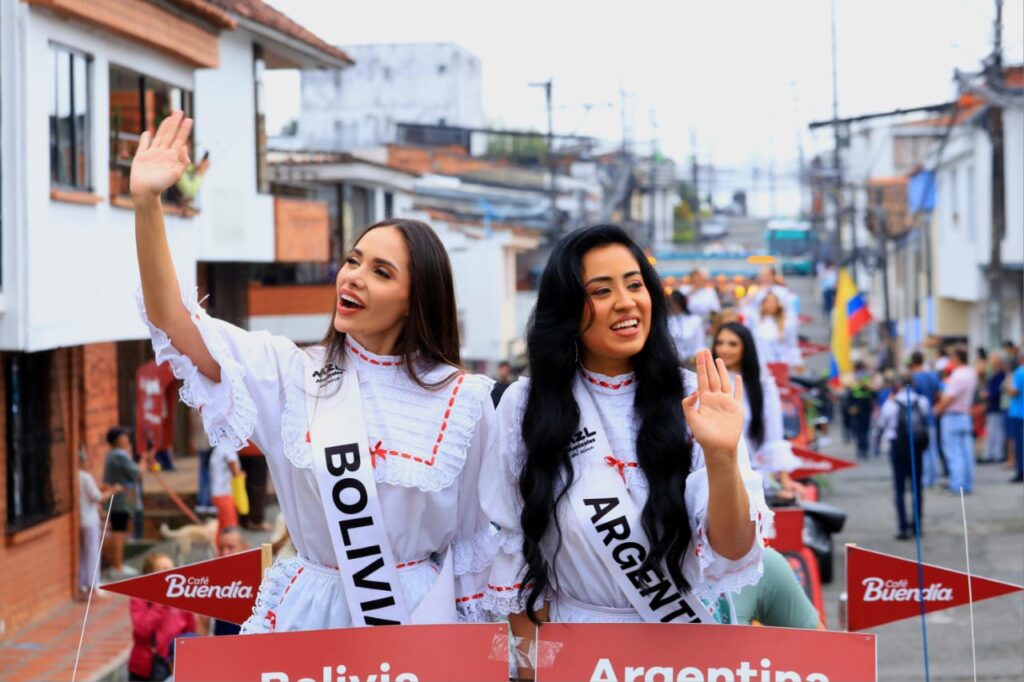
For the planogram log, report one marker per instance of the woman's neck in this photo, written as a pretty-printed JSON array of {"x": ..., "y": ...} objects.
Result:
[
  {"x": 609, "y": 367},
  {"x": 378, "y": 344}
]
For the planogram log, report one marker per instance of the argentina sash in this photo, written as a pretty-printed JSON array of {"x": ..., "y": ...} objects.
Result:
[
  {"x": 344, "y": 475},
  {"x": 611, "y": 524}
]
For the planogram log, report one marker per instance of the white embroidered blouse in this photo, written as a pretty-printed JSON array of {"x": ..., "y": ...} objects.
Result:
[
  {"x": 582, "y": 576},
  {"x": 427, "y": 445}
]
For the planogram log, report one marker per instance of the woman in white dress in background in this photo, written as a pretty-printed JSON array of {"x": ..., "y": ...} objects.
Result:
[
  {"x": 686, "y": 329},
  {"x": 392, "y": 339}
]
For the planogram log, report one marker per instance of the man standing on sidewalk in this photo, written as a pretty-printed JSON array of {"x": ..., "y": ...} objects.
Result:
[
  {"x": 120, "y": 470},
  {"x": 927, "y": 384},
  {"x": 957, "y": 429}
]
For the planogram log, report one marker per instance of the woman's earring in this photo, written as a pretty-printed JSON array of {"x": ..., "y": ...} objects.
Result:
[{"x": 576, "y": 347}]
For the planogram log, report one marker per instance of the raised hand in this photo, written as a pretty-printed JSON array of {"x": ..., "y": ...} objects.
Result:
[
  {"x": 715, "y": 411},
  {"x": 160, "y": 159}
]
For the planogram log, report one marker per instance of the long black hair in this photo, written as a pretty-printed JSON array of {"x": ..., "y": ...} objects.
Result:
[
  {"x": 432, "y": 328},
  {"x": 750, "y": 369},
  {"x": 663, "y": 444}
]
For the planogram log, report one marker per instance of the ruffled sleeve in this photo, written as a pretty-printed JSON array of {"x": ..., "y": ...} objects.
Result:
[
  {"x": 502, "y": 504},
  {"x": 709, "y": 573},
  {"x": 475, "y": 544},
  {"x": 248, "y": 402}
]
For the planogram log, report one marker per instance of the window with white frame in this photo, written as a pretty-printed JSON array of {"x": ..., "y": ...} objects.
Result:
[{"x": 70, "y": 119}]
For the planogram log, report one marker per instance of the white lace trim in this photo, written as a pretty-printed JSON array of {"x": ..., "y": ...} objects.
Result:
[
  {"x": 272, "y": 590},
  {"x": 231, "y": 421},
  {"x": 472, "y": 611},
  {"x": 476, "y": 554},
  {"x": 718, "y": 575},
  {"x": 411, "y": 419},
  {"x": 623, "y": 384}
]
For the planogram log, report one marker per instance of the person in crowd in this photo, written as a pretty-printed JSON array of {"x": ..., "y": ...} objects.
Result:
[
  {"x": 629, "y": 429},
  {"x": 772, "y": 454},
  {"x": 254, "y": 466},
  {"x": 685, "y": 328},
  {"x": 926, "y": 383},
  {"x": 957, "y": 430},
  {"x": 702, "y": 299},
  {"x": 859, "y": 407},
  {"x": 777, "y": 600},
  {"x": 1015, "y": 417},
  {"x": 120, "y": 469},
  {"x": 90, "y": 525},
  {"x": 154, "y": 627},
  {"x": 903, "y": 421},
  {"x": 386, "y": 377},
  {"x": 224, "y": 466},
  {"x": 829, "y": 282},
  {"x": 201, "y": 445},
  {"x": 503, "y": 381},
  {"x": 995, "y": 415},
  {"x": 775, "y": 332},
  {"x": 230, "y": 541}
]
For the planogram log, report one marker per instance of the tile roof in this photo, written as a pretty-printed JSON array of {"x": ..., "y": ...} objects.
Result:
[
  {"x": 205, "y": 10},
  {"x": 262, "y": 13}
]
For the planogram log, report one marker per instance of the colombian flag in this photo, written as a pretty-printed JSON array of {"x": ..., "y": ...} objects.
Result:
[{"x": 848, "y": 317}]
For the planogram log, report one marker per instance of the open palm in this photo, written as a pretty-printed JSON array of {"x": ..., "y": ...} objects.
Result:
[
  {"x": 715, "y": 411},
  {"x": 161, "y": 158}
]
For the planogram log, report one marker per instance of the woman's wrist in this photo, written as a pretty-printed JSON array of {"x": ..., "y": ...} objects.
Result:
[{"x": 146, "y": 201}]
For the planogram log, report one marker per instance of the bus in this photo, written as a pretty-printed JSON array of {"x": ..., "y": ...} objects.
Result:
[{"x": 794, "y": 244}]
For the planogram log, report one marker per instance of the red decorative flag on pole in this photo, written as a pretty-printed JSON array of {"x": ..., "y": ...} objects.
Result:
[
  {"x": 882, "y": 588},
  {"x": 223, "y": 588},
  {"x": 814, "y": 463}
]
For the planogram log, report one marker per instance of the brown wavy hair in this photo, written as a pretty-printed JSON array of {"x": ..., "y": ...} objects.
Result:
[{"x": 430, "y": 336}]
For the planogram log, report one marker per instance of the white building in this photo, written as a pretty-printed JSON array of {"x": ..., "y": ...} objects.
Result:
[{"x": 429, "y": 83}]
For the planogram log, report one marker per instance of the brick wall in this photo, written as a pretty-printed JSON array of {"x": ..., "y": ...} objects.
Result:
[
  {"x": 451, "y": 160},
  {"x": 39, "y": 565}
]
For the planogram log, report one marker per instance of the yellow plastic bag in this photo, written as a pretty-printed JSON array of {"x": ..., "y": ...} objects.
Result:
[{"x": 238, "y": 493}]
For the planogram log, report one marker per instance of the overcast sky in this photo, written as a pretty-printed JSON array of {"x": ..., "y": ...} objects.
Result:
[{"x": 745, "y": 75}]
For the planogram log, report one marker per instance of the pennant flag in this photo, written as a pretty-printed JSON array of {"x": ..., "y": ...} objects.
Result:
[
  {"x": 813, "y": 463},
  {"x": 223, "y": 588},
  {"x": 882, "y": 588}
]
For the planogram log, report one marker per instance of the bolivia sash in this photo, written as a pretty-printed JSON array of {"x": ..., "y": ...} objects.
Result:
[
  {"x": 348, "y": 491},
  {"x": 611, "y": 524}
]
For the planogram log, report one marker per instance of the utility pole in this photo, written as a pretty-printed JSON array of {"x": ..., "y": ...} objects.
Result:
[
  {"x": 695, "y": 179},
  {"x": 552, "y": 166},
  {"x": 653, "y": 179},
  {"x": 994, "y": 80},
  {"x": 837, "y": 195},
  {"x": 882, "y": 227}
]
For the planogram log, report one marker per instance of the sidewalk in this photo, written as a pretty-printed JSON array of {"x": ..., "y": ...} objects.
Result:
[{"x": 45, "y": 650}]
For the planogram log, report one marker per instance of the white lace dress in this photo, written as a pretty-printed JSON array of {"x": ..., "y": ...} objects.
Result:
[
  {"x": 586, "y": 592},
  {"x": 427, "y": 446},
  {"x": 773, "y": 453}
]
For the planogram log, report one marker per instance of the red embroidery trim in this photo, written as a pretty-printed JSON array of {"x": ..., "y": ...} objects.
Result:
[
  {"x": 463, "y": 600},
  {"x": 508, "y": 588},
  {"x": 620, "y": 465},
  {"x": 411, "y": 563},
  {"x": 605, "y": 384},
  {"x": 377, "y": 451},
  {"x": 372, "y": 361}
]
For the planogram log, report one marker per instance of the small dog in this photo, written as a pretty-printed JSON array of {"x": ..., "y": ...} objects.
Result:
[{"x": 204, "y": 536}]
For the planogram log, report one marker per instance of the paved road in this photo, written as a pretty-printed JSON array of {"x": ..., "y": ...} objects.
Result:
[{"x": 995, "y": 514}]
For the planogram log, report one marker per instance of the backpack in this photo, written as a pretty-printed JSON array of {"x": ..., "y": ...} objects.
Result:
[{"x": 917, "y": 425}]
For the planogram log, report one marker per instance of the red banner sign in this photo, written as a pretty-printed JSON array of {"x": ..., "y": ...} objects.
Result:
[
  {"x": 882, "y": 588},
  {"x": 408, "y": 653},
  {"x": 815, "y": 463},
  {"x": 599, "y": 652},
  {"x": 786, "y": 533},
  {"x": 223, "y": 588}
]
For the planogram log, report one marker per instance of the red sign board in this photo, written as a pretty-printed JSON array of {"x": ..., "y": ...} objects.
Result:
[
  {"x": 155, "y": 399},
  {"x": 882, "y": 588},
  {"x": 787, "y": 530},
  {"x": 815, "y": 463},
  {"x": 223, "y": 588},
  {"x": 407, "y": 653},
  {"x": 600, "y": 652}
]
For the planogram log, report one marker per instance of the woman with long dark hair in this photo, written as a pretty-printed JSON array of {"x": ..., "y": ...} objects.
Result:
[
  {"x": 762, "y": 418},
  {"x": 622, "y": 492},
  {"x": 376, "y": 423},
  {"x": 685, "y": 328}
]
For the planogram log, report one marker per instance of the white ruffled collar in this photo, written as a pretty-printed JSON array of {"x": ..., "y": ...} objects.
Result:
[
  {"x": 367, "y": 360},
  {"x": 622, "y": 384}
]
